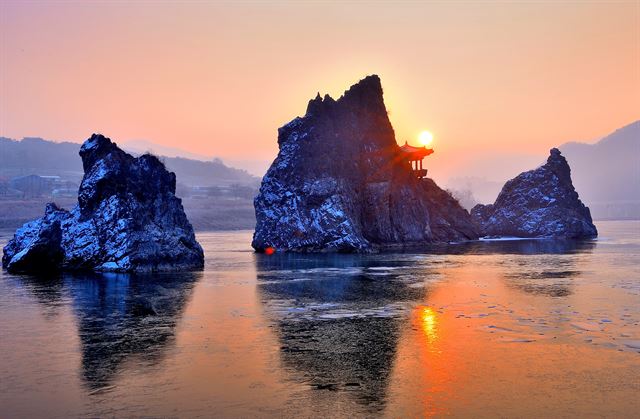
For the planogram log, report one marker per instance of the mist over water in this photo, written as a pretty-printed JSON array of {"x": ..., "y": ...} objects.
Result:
[{"x": 527, "y": 328}]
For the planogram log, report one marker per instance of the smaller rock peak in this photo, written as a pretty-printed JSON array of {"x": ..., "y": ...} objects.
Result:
[
  {"x": 369, "y": 86},
  {"x": 149, "y": 162},
  {"x": 366, "y": 94},
  {"x": 95, "y": 148},
  {"x": 558, "y": 164},
  {"x": 51, "y": 207},
  {"x": 371, "y": 82},
  {"x": 328, "y": 99},
  {"x": 556, "y": 156},
  {"x": 317, "y": 104},
  {"x": 95, "y": 141}
]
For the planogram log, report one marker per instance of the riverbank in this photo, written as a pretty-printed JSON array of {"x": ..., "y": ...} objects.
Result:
[{"x": 205, "y": 214}]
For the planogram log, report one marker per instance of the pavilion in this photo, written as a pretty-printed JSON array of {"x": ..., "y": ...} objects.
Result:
[{"x": 414, "y": 156}]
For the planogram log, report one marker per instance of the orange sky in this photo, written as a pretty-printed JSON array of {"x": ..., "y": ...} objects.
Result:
[{"x": 219, "y": 79}]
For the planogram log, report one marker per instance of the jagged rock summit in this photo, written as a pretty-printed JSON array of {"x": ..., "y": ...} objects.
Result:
[
  {"x": 538, "y": 203},
  {"x": 128, "y": 219},
  {"x": 341, "y": 184}
]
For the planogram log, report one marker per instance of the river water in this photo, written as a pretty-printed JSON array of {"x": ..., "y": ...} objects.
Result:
[{"x": 529, "y": 328}]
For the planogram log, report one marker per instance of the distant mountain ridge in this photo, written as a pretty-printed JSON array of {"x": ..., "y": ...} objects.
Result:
[
  {"x": 144, "y": 146},
  {"x": 606, "y": 174},
  {"x": 37, "y": 156},
  {"x": 43, "y": 157}
]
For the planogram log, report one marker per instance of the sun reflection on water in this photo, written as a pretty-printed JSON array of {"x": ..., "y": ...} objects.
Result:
[
  {"x": 430, "y": 324},
  {"x": 430, "y": 360}
]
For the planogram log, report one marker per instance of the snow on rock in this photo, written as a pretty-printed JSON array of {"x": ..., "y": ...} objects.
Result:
[
  {"x": 538, "y": 203},
  {"x": 339, "y": 184},
  {"x": 36, "y": 245},
  {"x": 127, "y": 219}
]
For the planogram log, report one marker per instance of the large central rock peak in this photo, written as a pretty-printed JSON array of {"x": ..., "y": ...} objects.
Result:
[{"x": 340, "y": 182}]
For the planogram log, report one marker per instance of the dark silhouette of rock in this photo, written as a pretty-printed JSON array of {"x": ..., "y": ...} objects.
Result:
[
  {"x": 127, "y": 219},
  {"x": 448, "y": 220},
  {"x": 122, "y": 319},
  {"x": 350, "y": 350},
  {"x": 340, "y": 183},
  {"x": 538, "y": 203},
  {"x": 36, "y": 246}
]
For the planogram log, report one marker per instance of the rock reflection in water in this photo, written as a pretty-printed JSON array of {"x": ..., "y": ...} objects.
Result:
[
  {"x": 469, "y": 332},
  {"x": 118, "y": 316},
  {"x": 339, "y": 317},
  {"x": 49, "y": 292},
  {"x": 549, "y": 282},
  {"x": 550, "y": 269}
]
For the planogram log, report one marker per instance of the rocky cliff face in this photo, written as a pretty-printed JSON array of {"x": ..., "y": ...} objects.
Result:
[
  {"x": 127, "y": 219},
  {"x": 448, "y": 220},
  {"x": 340, "y": 183},
  {"x": 538, "y": 203}
]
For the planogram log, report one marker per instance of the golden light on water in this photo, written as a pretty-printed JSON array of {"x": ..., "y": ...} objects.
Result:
[
  {"x": 425, "y": 138},
  {"x": 429, "y": 323}
]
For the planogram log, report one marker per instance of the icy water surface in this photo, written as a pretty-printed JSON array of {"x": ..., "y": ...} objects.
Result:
[{"x": 512, "y": 329}]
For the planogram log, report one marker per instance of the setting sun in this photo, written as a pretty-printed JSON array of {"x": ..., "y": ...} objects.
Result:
[
  {"x": 425, "y": 138},
  {"x": 262, "y": 221}
]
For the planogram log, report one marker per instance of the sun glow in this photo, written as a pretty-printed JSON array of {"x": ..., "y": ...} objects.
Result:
[
  {"x": 429, "y": 323},
  {"x": 425, "y": 138}
]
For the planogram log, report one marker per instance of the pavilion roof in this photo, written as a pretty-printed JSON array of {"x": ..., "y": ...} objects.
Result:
[{"x": 416, "y": 153}]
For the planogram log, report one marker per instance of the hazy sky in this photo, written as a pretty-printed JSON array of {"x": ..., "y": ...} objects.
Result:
[{"x": 220, "y": 78}]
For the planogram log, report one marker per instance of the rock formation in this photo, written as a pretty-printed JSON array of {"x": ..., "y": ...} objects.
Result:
[
  {"x": 127, "y": 219},
  {"x": 340, "y": 183},
  {"x": 448, "y": 220},
  {"x": 538, "y": 203}
]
